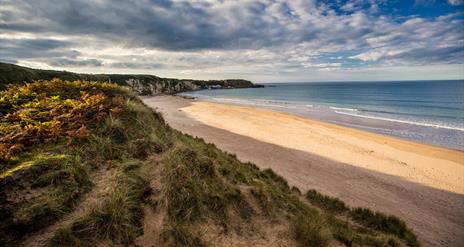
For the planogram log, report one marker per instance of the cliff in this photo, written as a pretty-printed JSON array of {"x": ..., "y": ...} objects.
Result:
[
  {"x": 141, "y": 84},
  {"x": 157, "y": 85}
]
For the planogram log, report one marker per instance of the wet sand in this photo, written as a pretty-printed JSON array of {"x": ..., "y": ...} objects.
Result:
[{"x": 422, "y": 184}]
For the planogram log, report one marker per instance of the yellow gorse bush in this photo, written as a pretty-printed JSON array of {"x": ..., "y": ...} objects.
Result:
[{"x": 45, "y": 111}]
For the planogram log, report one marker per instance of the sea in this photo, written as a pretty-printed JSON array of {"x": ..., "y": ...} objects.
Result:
[{"x": 430, "y": 112}]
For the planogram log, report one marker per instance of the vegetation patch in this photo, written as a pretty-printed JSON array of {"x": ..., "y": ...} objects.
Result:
[
  {"x": 118, "y": 218},
  {"x": 40, "y": 194},
  {"x": 384, "y": 223},
  {"x": 370, "y": 220},
  {"x": 204, "y": 183},
  {"x": 43, "y": 112},
  {"x": 44, "y": 179},
  {"x": 309, "y": 231},
  {"x": 328, "y": 203},
  {"x": 194, "y": 189}
]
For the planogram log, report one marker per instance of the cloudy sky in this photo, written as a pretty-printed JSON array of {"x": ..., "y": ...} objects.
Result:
[{"x": 264, "y": 41}]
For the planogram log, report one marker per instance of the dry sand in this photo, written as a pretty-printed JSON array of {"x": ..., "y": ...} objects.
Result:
[{"x": 422, "y": 184}]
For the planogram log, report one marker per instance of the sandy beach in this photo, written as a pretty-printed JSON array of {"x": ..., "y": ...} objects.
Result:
[{"x": 420, "y": 183}]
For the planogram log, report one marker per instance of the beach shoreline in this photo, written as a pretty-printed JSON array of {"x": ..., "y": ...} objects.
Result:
[
  {"x": 420, "y": 113},
  {"x": 343, "y": 125},
  {"x": 364, "y": 169}
]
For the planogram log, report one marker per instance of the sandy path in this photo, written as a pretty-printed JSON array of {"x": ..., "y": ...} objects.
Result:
[
  {"x": 154, "y": 216},
  {"x": 436, "y": 215},
  {"x": 101, "y": 179}
]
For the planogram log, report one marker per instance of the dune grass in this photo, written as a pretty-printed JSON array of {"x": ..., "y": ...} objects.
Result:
[
  {"x": 118, "y": 218},
  {"x": 373, "y": 221},
  {"x": 385, "y": 223},
  {"x": 200, "y": 183},
  {"x": 332, "y": 204}
]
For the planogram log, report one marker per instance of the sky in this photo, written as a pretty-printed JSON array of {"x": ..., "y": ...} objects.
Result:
[{"x": 259, "y": 40}]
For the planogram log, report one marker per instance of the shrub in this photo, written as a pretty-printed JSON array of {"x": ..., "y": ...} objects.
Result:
[{"x": 45, "y": 111}]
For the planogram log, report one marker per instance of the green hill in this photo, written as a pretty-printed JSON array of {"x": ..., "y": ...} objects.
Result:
[
  {"x": 87, "y": 164},
  {"x": 141, "y": 84}
]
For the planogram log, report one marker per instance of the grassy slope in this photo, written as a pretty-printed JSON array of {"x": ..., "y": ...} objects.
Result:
[
  {"x": 199, "y": 185},
  {"x": 10, "y": 73}
]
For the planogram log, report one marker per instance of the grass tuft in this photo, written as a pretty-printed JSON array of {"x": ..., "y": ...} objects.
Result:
[
  {"x": 381, "y": 222},
  {"x": 309, "y": 232},
  {"x": 332, "y": 204},
  {"x": 182, "y": 235}
]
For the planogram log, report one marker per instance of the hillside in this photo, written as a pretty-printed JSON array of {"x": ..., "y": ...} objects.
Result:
[
  {"x": 141, "y": 84},
  {"x": 87, "y": 164}
]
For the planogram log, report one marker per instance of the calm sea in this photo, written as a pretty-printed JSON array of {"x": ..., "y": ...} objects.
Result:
[{"x": 424, "y": 111}]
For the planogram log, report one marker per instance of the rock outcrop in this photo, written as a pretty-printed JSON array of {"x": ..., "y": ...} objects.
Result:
[
  {"x": 143, "y": 87},
  {"x": 154, "y": 86}
]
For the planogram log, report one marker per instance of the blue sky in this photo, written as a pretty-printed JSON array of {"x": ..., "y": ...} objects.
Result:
[{"x": 264, "y": 41}]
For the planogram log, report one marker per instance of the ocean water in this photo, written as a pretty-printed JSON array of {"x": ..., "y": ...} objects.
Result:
[{"x": 425, "y": 111}]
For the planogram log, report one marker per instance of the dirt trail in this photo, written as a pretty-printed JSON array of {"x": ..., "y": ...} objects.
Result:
[
  {"x": 101, "y": 180},
  {"x": 154, "y": 214}
]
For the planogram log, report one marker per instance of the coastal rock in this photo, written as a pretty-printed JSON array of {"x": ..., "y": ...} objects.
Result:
[{"x": 156, "y": 85}]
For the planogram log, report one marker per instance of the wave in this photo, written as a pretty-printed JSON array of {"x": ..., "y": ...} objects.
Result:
[
  {"x": 440, "y": 126},
  {"x": 342, "y": 109},
  {"x": 408, "y": 114},
  {"x": 252, "y": 102},
  {"x": 259, "y": 102},
  {"x": 407, "y": 104}
]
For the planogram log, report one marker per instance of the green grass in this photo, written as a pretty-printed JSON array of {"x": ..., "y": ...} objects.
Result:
[
  {"x": 195, "y": 190},
  {"x": 332, "y": 204},
  {"x": 64, "y": 180},
  {"x": 309, "y": 232},
  {"x": 385, "y": 223},
  {"x": 118, "y": 218},
  {"x": 179, "y": 234},
  {"x": 204, "y": 183},
  {"x": 373, "y": 221}
]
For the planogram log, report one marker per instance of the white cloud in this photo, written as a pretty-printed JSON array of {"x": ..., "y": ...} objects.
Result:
[
  {"x": 322, "y": 65},
  {"x": 456, "y": 2},
  {"x": 376, "y": 55}
]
